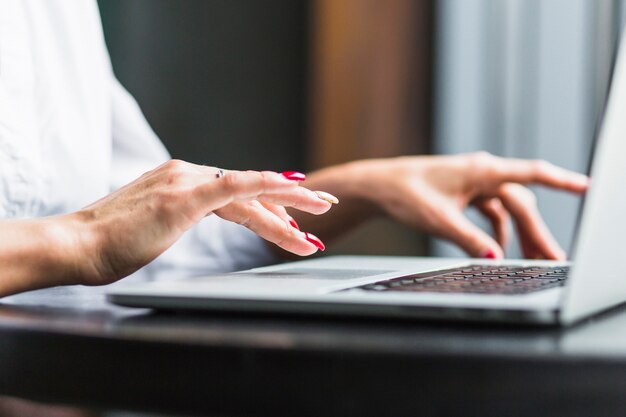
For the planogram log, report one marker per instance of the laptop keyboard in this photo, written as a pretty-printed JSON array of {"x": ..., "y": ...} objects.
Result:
[{"x": 477, "y": 279}]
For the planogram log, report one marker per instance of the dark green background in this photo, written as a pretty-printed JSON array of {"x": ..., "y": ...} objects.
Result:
[{"x": 222, "y": 82}]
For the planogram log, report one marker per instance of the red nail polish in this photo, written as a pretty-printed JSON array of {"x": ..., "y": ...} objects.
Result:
[
  {"x": 314, "y": 240},
  {"x": 294, "y": 175},
  {"x": 293, "y": 224},
  {"x": 488, "y": 254}
]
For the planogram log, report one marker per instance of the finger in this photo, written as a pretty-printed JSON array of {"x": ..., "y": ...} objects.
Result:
[
  {"x": 269, "y": 226},
  {"x": 498, "y": 216},
  {"x": 241, "y": 185},
  {"x": 301, "y": 198},
  {"x": 282, "y": 214},
  {"x": 500, "y": 170},
  {"x": 470, "y": 237},
  {"x": 177, "y": 165},
  {"x": 536, "y": 239},
  {"x": 209, "y": 171},
  {"x": 279, "y": 211},
  {"x": 214, "y": 188}
]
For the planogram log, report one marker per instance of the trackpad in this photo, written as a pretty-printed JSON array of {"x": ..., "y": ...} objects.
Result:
[{"x": 315, "y": 273}]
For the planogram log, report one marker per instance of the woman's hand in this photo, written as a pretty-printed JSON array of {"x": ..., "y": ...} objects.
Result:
[
  {"x": 127, "y": 229},
  {"x": 429, "y": 193}
]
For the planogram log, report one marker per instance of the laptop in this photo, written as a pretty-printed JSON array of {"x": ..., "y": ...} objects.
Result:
[{"x": 508, "y": 291}]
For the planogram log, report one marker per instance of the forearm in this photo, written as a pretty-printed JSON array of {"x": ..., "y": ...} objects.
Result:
[{"x": 37, "y": 253}]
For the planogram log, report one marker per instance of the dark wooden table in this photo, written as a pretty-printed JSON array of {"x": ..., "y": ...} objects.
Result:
[{"x": 57, "y": 346}]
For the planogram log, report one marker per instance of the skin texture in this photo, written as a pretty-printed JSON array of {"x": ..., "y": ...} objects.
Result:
[
  {"x": 127, "y": 229},
  {"x": 429, "y": 193}
]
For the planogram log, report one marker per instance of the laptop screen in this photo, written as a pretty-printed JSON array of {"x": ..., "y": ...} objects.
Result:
[{"x": 598, "y": 123}]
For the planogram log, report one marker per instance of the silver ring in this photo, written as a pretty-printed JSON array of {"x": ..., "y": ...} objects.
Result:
[{"x": 220, "y": 173}]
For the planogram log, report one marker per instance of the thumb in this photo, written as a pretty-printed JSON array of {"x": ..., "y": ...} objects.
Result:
[{"x": 471, "y": 238}]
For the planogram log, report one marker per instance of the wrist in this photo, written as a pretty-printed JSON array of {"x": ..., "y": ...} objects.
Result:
[
  {"x": 366, "y": 181},
  {"x": 62, "y": 253},
  {"x": 73, "y": 251},
  {"x": 81, "y": 239},
  {"x": 354, "y": 183}
]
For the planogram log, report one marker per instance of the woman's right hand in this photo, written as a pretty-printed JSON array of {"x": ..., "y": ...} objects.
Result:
[{"x": 127, "y": 229}]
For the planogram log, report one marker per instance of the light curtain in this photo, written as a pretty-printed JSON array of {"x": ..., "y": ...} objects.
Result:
[{"x": 524, "y": 78}]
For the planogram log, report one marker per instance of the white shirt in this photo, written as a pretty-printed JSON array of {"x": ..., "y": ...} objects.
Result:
[{"x": 70, "y": 133}]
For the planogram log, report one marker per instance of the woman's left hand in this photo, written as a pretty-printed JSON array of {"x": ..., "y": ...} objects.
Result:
[{"x": 430, "y": 193}]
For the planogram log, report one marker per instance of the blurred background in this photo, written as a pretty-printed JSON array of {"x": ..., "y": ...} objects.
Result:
[{"x": 285, "y": 84}]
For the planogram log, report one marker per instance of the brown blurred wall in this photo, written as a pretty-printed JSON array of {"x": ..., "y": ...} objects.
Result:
[{"x": 370, "y": 95}]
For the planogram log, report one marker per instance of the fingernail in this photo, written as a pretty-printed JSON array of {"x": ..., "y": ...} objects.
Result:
[
  {"x": 488, "y": 254},
  {"x": 294, "y": 175},
  {"x": 314, "y": 240},
  {"x": 327, "y": 197},
  {"x": 293, "y": 224}
]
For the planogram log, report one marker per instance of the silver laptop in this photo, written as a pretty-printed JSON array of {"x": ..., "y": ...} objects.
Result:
[{"x": 539, "y": 292}]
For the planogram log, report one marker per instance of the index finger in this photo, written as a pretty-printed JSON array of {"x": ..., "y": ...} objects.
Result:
[
  {"x": 537, "y": 171},
  {"x": 241, "y": 185}
]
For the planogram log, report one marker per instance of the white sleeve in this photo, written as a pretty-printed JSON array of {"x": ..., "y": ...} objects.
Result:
[{"x": 214, "y": 245}]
